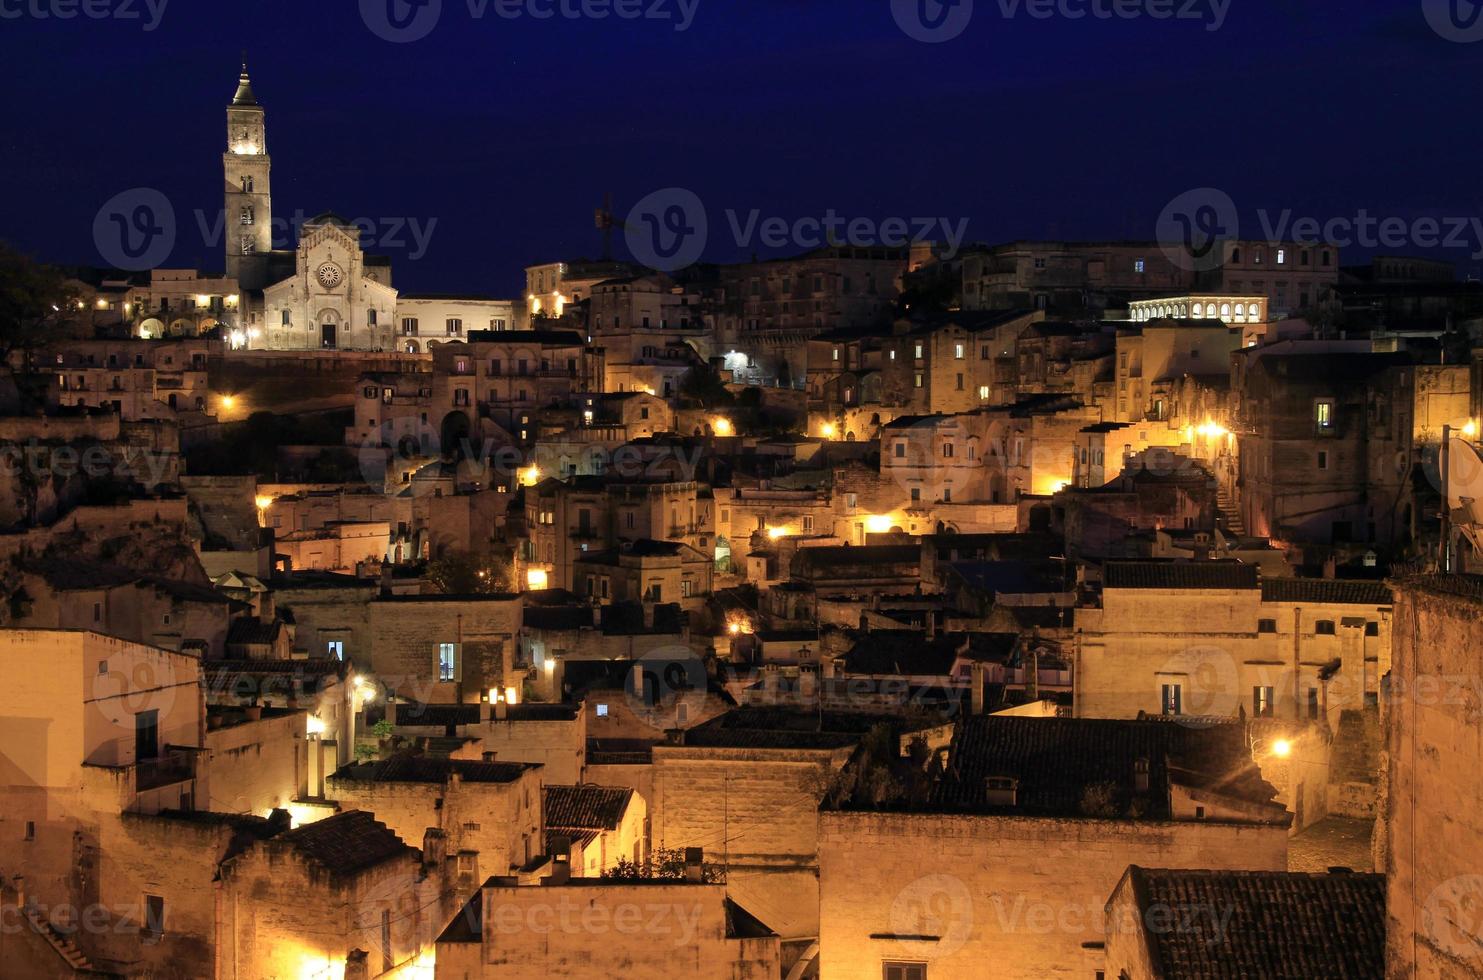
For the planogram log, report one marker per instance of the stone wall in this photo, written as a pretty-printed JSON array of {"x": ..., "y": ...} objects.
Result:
[
  {"x": 254, "y": 765},
  {"x": 1431, "y": 823},
  {"x": 1024, "y": 894}
]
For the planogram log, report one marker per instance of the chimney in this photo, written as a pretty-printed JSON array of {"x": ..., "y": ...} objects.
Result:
[
  {"x": 484, "y": 710},
  {"x": 976, "y": 697},
  {"x": 279, "y": 821},
  {"x": 1140, "y": 775},
  {"x": 648, "y": 615},
  {"x": 391, "y": 709},
  {"x": 1032, "y": 674},
  {"x": 357, "y": 965},
  {"x": 1330, "y": 567},
  {"x": 931, "y": 625},
  {"x": 502, "y": 710},
  {"x": 561, "y": 860},
  {"x": 638, "y": 686},
  {"x": 808, "y": 682},
  {"x": 434, "y": 848},
  {"x": 254, "y": 712},
  {"x": 771, "y": 674},
  {"x": 695, "y": 865}
]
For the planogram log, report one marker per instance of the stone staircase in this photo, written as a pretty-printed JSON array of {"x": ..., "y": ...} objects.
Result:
[
  {"x": 1354, "y": 766},
  {"x": 65, "y": 947},
  {"x": 1230, "y": 514}
]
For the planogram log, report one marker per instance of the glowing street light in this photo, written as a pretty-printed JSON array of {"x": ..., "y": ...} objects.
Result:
[
  {"x": 1282, "y": 748},
  {"x": 827, "y": 430},
  {"x": 722, "y": 427}
]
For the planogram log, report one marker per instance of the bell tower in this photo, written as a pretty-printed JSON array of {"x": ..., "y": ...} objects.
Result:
[{"x": 248, "y": 224}]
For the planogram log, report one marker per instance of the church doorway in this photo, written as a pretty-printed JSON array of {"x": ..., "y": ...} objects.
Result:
[{"x": 327, "y": 336}]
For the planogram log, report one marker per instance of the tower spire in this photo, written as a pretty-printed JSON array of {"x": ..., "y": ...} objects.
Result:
[{"x": 244, "y": 96}]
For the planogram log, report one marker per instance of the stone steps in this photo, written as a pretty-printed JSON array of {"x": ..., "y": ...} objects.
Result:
[{"x": 65, "y": 948}]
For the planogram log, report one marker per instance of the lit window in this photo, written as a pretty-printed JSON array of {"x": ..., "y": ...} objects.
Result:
[
  {"x": 1138, "y": 266},
  {"x": 958, "y": 351},
  {"x": 335, "y": 649},
  {"x": 602, "y": 711},
  {"x": 1323, "y": 414},
  {"x": 447, "y": 661}
]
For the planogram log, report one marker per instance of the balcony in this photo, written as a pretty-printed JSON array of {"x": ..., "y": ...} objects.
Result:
[{"x": 173, "y": 766}]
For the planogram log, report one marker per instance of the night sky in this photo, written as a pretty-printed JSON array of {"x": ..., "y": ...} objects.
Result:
[{"x": 508, "y": 132}]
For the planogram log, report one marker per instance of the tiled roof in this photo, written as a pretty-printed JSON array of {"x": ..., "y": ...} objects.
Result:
[
  {"x": 619, "y": 752},
  {"x": 1265, "y": 924},
  {"x": 1179, "y": 575},
  {"x": 780, "y": 728},
  {"x": 347, "y": 842},
  {"x": 1325, "y": 592},
  {"x": 586, "y": 807},
  {"x": 1058, "y": 760},
  {"x": 252, "y": 630},
  {"x": 903, "y": 653},
  {"x": 432, "y": 769},
  {"x": 577, "y": 836}
]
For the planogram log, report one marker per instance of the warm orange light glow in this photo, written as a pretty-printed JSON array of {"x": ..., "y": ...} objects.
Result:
[
  {"x": 511, "y": 697},
  {"x": 530, "y": 476},
  {"x": 1212, "y": 430},
  {"x": 263, "y": 503},
  {"x": 229, "y": 402},
  {"x": 878, "y": 523},
  {"x": 1470, "y": 429},
  {"x": 1282, "y": 748},
  {"x": 827, "y": 430},
  {"x": 722, "y": 427},
  {"x": 777, "y": 532},
  {"x": 315, "y": 725},
  {"x": 536, "y": 578}
]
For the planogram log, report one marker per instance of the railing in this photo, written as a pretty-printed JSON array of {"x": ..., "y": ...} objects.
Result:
[{"x": 172, "y": 766}]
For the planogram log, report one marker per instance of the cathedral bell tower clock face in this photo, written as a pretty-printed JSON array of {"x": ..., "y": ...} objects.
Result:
[{"x": 329, "y": 275}]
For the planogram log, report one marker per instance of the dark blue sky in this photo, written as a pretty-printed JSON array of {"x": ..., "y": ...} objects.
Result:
[{"x": 509, "y": 132}]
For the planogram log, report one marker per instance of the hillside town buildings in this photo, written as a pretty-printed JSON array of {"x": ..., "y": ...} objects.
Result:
[{"x": 758, "y": 620}]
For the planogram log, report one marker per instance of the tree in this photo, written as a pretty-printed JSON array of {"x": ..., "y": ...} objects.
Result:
[
  {"x": 703, "y": 384},
  {"x": 465, "y": 573},
  {"x": 665, "y": 864},
  {"x": 37, "y": 305}
]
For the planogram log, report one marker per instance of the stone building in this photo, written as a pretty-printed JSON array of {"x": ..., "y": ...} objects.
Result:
[
  {"x": 1190, "y": 925},
  {"x": 1025, "y": 833},
  {"x": 489, "y": 813},
  {"x": 1430, "y": 838},
  {"x": 599, "y": 928},
  {"x": 138, "y": 379},
  {"x": 553, "y": 736},
  {"x": 340, "y": 897},
  {"x": 1213, "y": 639},
  {"x": 445, "y": 649},
  {"x": 425, "y": 319},
  {"x": 1326, "y": 447},
  {"x": 601, "y": 824}
]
